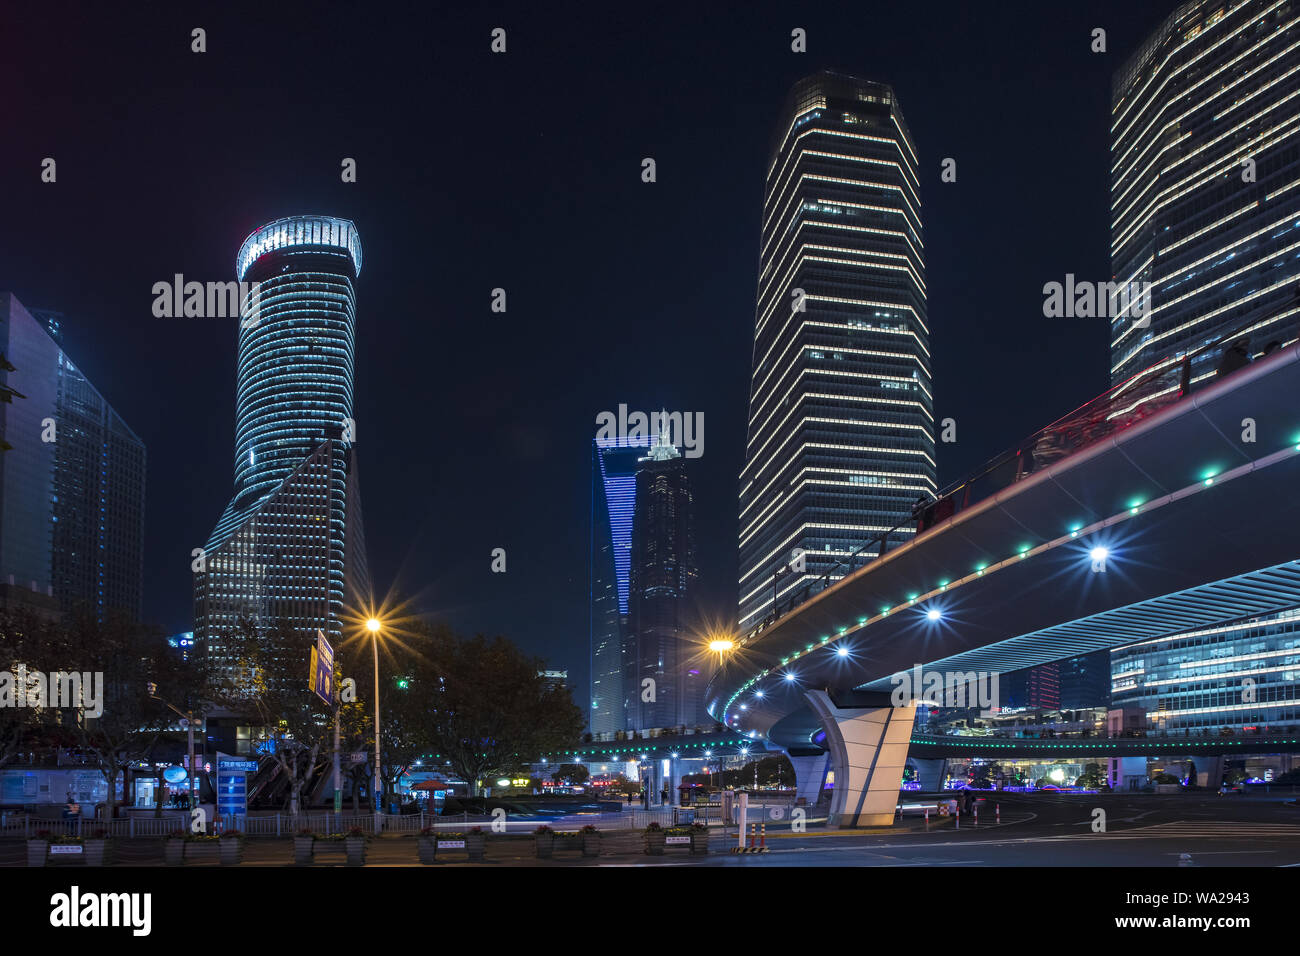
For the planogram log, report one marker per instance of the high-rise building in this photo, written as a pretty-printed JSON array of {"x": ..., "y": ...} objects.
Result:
[
  {"x": 1205, "y": 205},
  {"x": 1085, "y": 681},
  {"x": 1034, "y": 687},
  {"x": 1243, "y": 676},
  {"x": 613, "y": 496},
  {"x": 288, "y": 552},
  {"x": 1205, "y": 183},
  {"x": 841, "y": 425},
  {"x": 661, "y": 587},
  {"x": 72, "y": 514}
]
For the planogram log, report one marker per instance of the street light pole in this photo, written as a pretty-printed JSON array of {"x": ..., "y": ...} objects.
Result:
[{"x": 373, "y": 626}]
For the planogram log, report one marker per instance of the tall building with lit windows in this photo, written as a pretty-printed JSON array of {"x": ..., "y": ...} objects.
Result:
[
  {"x": 1205, "y": 205},
  {"x": 661, "y": 609},
  {"x": 288, "y": 551},
  {"x": 841, "y": 420},
  {"x": 72, "y": 483},
  {"x": 613, "y": 500},
  {"x": 1205, "y": 182}
]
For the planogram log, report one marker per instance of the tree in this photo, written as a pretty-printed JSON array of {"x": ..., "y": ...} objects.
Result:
[
  {"x": 492, "y": 714},
  {"x": 131, "y": 658},
  {"x": 272, "y": 692},
  {"x": 573, "y": 773},
  {"x": 1092, "y": 778}
]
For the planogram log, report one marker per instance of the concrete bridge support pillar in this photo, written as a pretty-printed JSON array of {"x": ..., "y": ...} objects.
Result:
[
  {"x": 809, "y": 775},
  {"x": 930, "y": 772},
  {"x": 1209, "y": 771},
  {"x": 867, "y": 737}
]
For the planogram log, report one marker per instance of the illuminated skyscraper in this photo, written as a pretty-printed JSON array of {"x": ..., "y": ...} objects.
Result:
[
  {"x": 1205, "y": 182},
  {"x": 71, "y": 487},
  {"x": 613, "y": 496},
  {"x": 288, "y": 550},
  {"x": 661, "y": 588},
  {"x": 841, "y": 427}
]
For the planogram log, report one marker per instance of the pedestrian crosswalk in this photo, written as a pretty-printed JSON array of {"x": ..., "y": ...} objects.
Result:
[{"x": 1208, "y": 829}]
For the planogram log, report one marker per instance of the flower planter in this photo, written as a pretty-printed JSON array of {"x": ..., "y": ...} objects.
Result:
[
  {"x": 37, "y": 850},
  {"x": 654, "y": 842},
  {"x": 302, "y": 849},
  {"x": 476, "y": 846},
  {"x": 173, "y": 851},
  {"x": 700, "y": 842},
  {"x": 97, "y": 852},
  {"x": 232, "y": 851},
  {"x": 356, "y": 847},
  {"x": 545, "y": 845},
  {"x": 428, "y": 848},
  {"x": 206, "y": 851},
  {"x": 591, "y": 844}
]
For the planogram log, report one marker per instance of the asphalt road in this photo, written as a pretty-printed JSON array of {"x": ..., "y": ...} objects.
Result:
[{"x": 1058, "y": 830}]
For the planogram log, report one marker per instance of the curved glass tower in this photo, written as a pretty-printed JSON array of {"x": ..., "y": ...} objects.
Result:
[{"x": 287, "y": 550}]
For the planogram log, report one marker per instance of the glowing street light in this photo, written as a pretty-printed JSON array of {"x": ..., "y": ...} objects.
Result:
[{"x": 721, "y": 645}]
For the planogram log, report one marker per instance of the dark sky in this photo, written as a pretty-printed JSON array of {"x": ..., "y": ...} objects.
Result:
[{"x": 522, "y": 171}]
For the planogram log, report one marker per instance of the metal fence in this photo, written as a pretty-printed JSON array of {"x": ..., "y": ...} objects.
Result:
[{"x": 15, "y": 824}]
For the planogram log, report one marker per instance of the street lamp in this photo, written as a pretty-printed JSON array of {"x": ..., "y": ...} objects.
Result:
[
  {"x": 189, "y": 727},
  {"x": 373, "y": 625}
]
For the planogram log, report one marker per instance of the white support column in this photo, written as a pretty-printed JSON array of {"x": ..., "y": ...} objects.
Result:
[
  {"x": 867, "y": 737},
  {"x": 809, "y": 776}
]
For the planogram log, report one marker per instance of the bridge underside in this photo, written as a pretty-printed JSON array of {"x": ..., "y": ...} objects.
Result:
[{"x": 1199, "y": 527}]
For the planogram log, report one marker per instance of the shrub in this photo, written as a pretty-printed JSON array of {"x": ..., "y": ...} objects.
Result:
[
  {"x": 590, "y": 828},
  {"x": 543, "y": 830},
  {"x": 653, "y": 827},
  {"x": 356, "y": 832}
]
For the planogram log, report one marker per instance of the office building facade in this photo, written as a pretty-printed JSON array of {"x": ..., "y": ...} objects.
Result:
[
  {"x": 73, "y": 482},
  {"x": 840, "y": 423},
  {"x": 667, "y": 680},
  {"x": 288, "y": 551},
  {"x": 613, "y": 499},
  {"x": 1205, "y": 183},
  {"x": 1205, "y": 205},
  {"x": 1243, "y": 677}
]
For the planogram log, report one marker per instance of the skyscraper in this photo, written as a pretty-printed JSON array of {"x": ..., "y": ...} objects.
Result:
[
  {"x": 1205, "y": 167},
  {"x": 613, "y": 496},
  {"x": 841, "y": 420},
  {"x": 288, "y": 549},
  {"x": 72, "y": 486},
  {"x": 1205, "y": 205},
  {"x": 661, "y": 585}
]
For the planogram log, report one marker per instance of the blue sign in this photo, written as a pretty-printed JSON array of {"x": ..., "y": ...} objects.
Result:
[
  {"x": 174, "y": 774},
  {"x": 237, "y": 766},
  {"x": 322, "y": 667}
]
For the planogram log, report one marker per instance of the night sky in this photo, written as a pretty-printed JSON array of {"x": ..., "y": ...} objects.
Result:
[{"x": 522, "y": 171}]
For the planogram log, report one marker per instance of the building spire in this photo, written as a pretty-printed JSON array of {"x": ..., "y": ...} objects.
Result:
[{"x": 662, "y": 448}]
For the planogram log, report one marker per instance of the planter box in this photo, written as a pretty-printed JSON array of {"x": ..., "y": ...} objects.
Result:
[
  {"x": 97, "y": 852},
  {"x": 427, "y": 848},
  {"x": 545, "y": 845},
  {"x": 232, "y": 851},
  {"x": 37, "y": 851},
  {"x": 302, "y": 849},
  {"x": 476, "y": 846},
  {"x": 654, "y": 843},
  {"x": 700, "y": 842},
  {"x": 205, "y": 852},
  {"x": 173, "y": 851},
  {"x": 591, "y": 844},
  {"x": 356, "y": 847}
]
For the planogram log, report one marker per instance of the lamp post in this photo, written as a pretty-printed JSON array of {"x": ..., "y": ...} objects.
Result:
[
  {"x": 373, "y": 625},
  {"x": 189, "y": 728}
]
